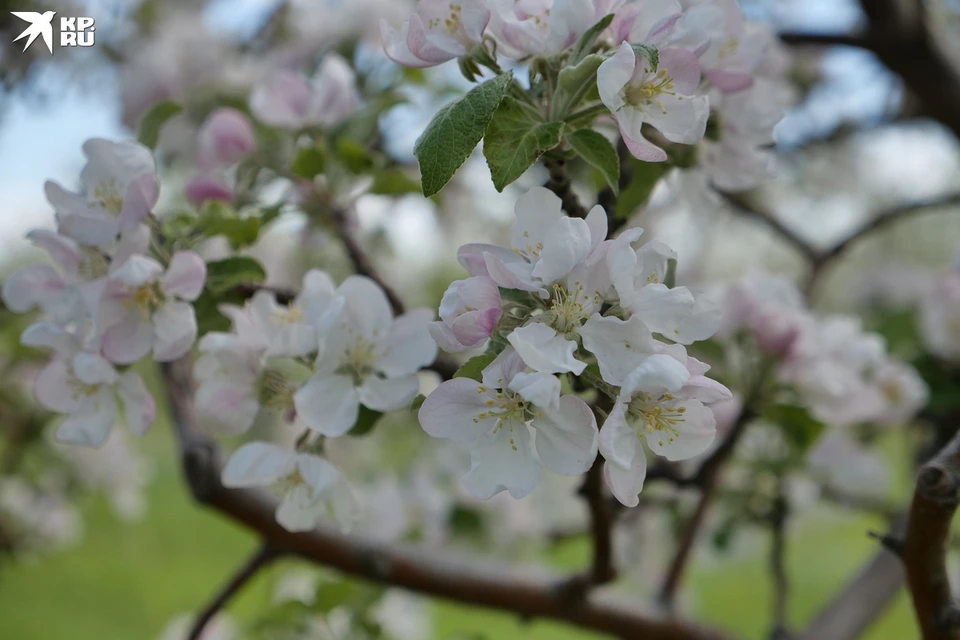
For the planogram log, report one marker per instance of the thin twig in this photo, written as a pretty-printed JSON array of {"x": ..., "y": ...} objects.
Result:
[
  {"x": 778, "y": 567},
  {"x": 745, "y": 206},
  {"x": 361, "y": 262},
  {"x": 559, "y": 183},
  {"x": 263, "y": 556},
  {"x": 421, "y": 570}
]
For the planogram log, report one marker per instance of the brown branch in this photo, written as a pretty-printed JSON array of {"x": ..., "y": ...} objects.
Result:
[
  {"x": 925, "y": 545},
  {"x": 744, "y": 205},
  {"x": 559, "y": 183},
  {"x": 608, "y": 198},
  {"x": 707, "y": 477},
  {"x": 361, "y": 262},
  {"x": 602, "y": 569},
  {"x": 802, "y": 38},
  {"x": 263, "y": 556},
  {"x": 423, "y": 571},
  {"x": 778, "y": 566}
]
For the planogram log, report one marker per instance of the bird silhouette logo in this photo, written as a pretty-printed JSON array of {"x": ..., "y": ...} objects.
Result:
[{"x": 41, "y": 24}]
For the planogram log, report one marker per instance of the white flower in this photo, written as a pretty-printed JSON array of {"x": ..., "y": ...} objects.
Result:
[
  {"x": 661, "y": 403},
  {"x": 229, "y": 382},
  {"x": 146, "y": 308},
  {"x": 287, "y": 100},
  {"x": 440, "y": 30},
  {"x": 498, "y": 417},
  {"x": 371, "y": 358},
  {"x": 311, "y": 487},
  {"x": 649, "y": 21},
  {"x": 539, "y": 27},
  {"x": 120, "y": 189},
  {"x": 663, "y": 97},
  {"x": 82, "y": 384}
]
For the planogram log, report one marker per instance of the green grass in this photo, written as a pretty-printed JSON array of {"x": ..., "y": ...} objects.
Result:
[{"x": 127, "y": 581}]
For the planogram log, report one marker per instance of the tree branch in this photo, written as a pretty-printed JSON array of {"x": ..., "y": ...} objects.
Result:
[
  {"x": 263, "y": 556},
  {"x": 559, "y": 183},
  {"x": 608, "y": 197},
  {"x": 397, "y": 565},
  {"x": 778, "y": 566},
  {"x": 743, "y": 204},
  {"x": 361, "y": 262}
]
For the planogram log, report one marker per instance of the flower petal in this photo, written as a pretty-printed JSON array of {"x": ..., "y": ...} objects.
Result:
[
  {"x": 389, "y": 394},
  {"x": 453, "y": 410},
  {"x": 90, "y": 424},
  {"x": 328, "y": 404},
  {"x": 619, "y": 345},
  {"x": 503, "y": 461},
  {"x": 175, "y": 331},
  {"x": 185, "y": 276},
  {"x": 694, "y": 432},
  {"x": 567, "y": 437},
  {"x": 258, "y": 464},
  {"x": 544, "y": 350},
  {"x": 626, "y": 484},
  {"x": 139, "y": 408}
]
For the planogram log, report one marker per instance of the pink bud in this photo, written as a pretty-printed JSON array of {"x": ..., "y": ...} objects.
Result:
[
  {"x": 199, "y": 189},
  {"x": 226, "y": 137},
  {"x": 775, "y": 333},
  {"x": 469, "y": 313}
]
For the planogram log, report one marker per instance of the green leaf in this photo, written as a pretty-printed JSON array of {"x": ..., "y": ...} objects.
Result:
[
  {"x": 153, "y": 121},
  {"x": 645, "y": 177},
  {"x": 455, "y": 131},
  {"x": 588, "y": 38},
  {"x": 799, "y": 427},
  {"x": 393, "y": 182},
  {"x": 309, "y": 162},
  {"x": 224, "y": 275},
  {"x": 574, "y": 83},
  {"x": 515, "y": 140},
  {"x": 366, "y": 420},
  {"x": 598, "y": 152},
  {"x": 354, "y": 155},
  {"x": 218, "y": 218},
  {"x": 467, "y": 521},
  {"x": 648, "y": 51},
  {"x": 473, "y": 368}
]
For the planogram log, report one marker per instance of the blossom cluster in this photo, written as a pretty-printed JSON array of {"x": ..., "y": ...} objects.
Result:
[
  {"x": 564, "y": 300},
  {"x": 842, "y": 373},
  {"x": 109, "y": 299},
  {"x": 675, "y": 66},
  {"x": 316, "y": 361}
]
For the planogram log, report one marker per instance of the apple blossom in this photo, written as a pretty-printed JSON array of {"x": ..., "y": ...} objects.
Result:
[
  {"x": 469, "y": 312},
  {"x": 647, "y": 21},
  {"x": 638, "y": 92},
  {"x": 371, "y": 358},
  {"x": 288, "y": 100},
  {"x": 439, "y": 30},
  {"x": 939, "y": 316},
  {"x": 120, "y": 189},
  {"x": 498, "y": 418},
  {"x": 225, "y": 138},
  {"x": 539, "y": 27},
  {"x": 662, "y": 403},
  {"x": 146, "y": 308},
  {"x": 311, "y": 487},
  {"x": 201, "y": 188}
]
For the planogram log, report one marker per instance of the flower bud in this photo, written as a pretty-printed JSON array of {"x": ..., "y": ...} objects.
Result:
[
  {"x": 226, "y": 137},
  {"x": 200, "y": 188},
  {"x": 469, "y": 313}
]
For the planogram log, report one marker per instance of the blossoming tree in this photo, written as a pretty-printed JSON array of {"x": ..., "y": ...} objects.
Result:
[{"x": 567, "y": 358}]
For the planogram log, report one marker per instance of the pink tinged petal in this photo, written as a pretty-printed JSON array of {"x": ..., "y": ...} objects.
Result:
[
  {"x": 328, "y": 404},
  {"x": 283, "y": 100},
  {"x": 694, "y": 433},
  {"x": 566, "y": 245},
  {"x": 132, "y": 242},
  {"x": 540, "y": 389},
  {"x": 175, "y": 331},
  {"x": 335, "y": 85},
  {"x": 389, "y": 394},
  {"x": 614, "y": 74},
  {"x": 433, "y": 48},
  {"x": 139, "y": 408},
  {"x": 62, "y": 249},
  {"x": 137, "y": 271},
  {"x": 396, "y": 48},
  {"x": 55, "y": 387},
  {"x": 88, "y": 229},
  {"x": 32, "y": 286},
  {"x": 92, "y": 420},
  {"x": 453, "y": 409},
  {"x": 503, "y": 461},
  {"x": 129, "y": 340},
  {"x": 626, "y": 484},
  {"x": 680, "y": 120},
  {"x": 662, "y": 28},
  {"x": 537, "y": 211},
  {"x": 657, "y": 374},
  {"x": 226, "y": 137},
  {"x": 63, "y": 201},
  {"x": 516, "y": 274},
  {"x": 471, "y": 256},
  {"x": 640, "y": 149},
  {"x": 140, "y": 199},
  {"x": 199, "y": 189},
  {"x": 705, "y": 389},
  {"x": 728, "y": 81},
  {"x": 185, "y": 276},
  {"x": 662, "y": 309},
  {"x": 618, "y": 440},
  {"x": 445, "y": 338},
  {"x": 474, "y": 327},
  {"x": 504, "y": 368},
  {"x": 226, "y": 407},
  {"x": 258, "y": 464},
  {"x": 684, "y": 67},
  {"x": 567, "y": 437},
  {"x": 618, "y": 345},
  {"x": 409, "y": 345},
  {"x": 480, "y": 293},
  {"x": 50, "y": 336},
  {"x": 93, "y": 369},
  {"x": 544, "y": 350}
]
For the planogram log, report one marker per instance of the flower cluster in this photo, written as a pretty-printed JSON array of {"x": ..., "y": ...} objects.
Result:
[
  {"x": 109, "y": 300},
  {"x": 675, "y": 66},
  {"x": 318, "y": 361},
  {"x": 572, "y": 302},
  {"x": 843, "y": 374}
]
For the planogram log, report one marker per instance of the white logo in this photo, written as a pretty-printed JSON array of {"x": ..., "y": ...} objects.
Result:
[{"x": 74, "y": 31}]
